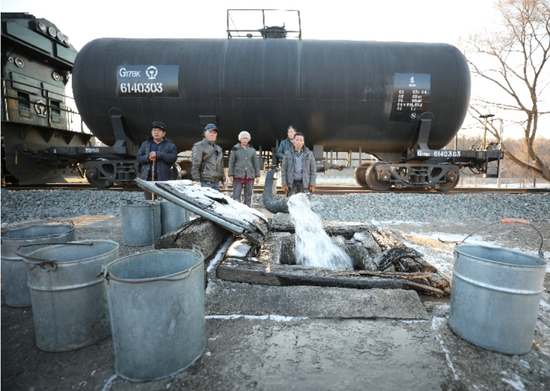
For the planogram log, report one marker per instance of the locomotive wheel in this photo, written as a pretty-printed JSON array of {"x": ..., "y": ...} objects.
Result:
[
  {"x": 360, "y": 174},
  {"x": 374, "y": 183},
  {"x": 447, "y": 186}
]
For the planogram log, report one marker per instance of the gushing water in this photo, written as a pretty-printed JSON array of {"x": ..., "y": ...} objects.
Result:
[{"x": 313, "y": 246}]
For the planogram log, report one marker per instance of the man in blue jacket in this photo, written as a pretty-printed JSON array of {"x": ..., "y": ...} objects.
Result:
[{"x": 156, "y": 156}]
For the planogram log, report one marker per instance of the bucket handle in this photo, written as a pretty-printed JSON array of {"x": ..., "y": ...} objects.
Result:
[
  {"x": 108, "y": 276},
  {"x": 510, "y": 220},
  {"x": 40, "y": 261}
]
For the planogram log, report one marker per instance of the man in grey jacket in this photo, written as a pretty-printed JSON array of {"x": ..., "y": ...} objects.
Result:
[
  {"x": 207, "y": 162},
  {"x": 298, "y": 171}
]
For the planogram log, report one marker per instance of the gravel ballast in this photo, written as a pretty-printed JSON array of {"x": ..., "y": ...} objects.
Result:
[{"x": 364, "y": 208}]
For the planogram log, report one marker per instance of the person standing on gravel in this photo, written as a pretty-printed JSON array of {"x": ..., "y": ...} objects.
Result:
[
  {"x": 298, "y": 171},
  {"x": 207, "y": 161},
  {"x": 243, "y": 168},
  {"x": 156, "y": 156},
  {"x": 286, "y": 143}
]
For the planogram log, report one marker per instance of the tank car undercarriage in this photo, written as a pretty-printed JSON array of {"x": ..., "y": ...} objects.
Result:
[{"x": 421, "y": 167}]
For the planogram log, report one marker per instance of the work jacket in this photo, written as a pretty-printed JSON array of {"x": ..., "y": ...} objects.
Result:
[
  {"x": 309, "y": 171},
  {"x": 243, "y": 162},
  {"x": 283, "y": 147},
  {"x": 213, "y": 170},
  {"x": 167, "y": 154}
]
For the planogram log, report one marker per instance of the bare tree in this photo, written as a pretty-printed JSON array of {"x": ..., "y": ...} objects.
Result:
[{"x": 515, "y": 58}]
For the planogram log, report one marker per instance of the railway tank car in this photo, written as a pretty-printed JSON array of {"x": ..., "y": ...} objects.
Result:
[
  {"x": 37, "y": 60},
  {"x": 401, "y": 102}
]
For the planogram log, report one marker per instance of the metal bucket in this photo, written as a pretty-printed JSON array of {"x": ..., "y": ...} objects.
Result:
[
  {"x": 141, "y": 223},
  {"x": 156, "y": 304},
  {"x": 172, "y": 216},
  {"x": 14, "y": 272},
  {"x": 495, "y": 297},
  {"x": 68, "y": 300}
]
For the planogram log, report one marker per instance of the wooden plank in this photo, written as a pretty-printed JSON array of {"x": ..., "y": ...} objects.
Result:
[
  {"x": 280, "y": 275},
  {"x": 206, "y": 202},
  {"x": 200, "y": 232}
]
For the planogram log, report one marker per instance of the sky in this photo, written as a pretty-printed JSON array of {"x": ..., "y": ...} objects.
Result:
[{"x": 389, "y": 20}]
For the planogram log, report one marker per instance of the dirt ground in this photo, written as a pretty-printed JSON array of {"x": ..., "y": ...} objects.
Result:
[{"x": 276, "y": 351}]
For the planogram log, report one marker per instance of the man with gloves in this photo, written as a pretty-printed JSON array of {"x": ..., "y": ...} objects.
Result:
[{"x": 298, "y": 171}]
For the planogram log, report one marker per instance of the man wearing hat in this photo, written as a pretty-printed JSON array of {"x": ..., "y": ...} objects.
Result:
[
  {"x": 243, "y": 168},
  {"x": 207, "y": 162},
  {"x": 156, "y": 156}
]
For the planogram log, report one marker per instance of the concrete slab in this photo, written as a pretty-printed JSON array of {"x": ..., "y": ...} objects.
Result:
[
  {"x": 227, "y": 298},
  {"x": 317, "y": 354}
]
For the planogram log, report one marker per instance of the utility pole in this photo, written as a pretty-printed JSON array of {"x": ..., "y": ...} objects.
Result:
[
  {"x": 485, "y": 116},
  {"x": 500, "y": 147}
]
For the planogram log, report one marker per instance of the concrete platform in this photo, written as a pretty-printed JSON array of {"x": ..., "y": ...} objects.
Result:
[{"x": 314, "y": 302}]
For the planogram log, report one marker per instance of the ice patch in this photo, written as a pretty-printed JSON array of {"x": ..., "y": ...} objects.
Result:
[
  {"x": 517, "y": 383},
  {"x": 219, "y": 255},
  {"x": 437, "y": 321},
  {"x": 277, "y": 318}
]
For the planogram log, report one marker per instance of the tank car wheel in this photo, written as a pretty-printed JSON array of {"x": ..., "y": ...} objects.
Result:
[
  {"x": 99, "y": 183},
  {"x": 373, "y": 182},
  {"x": 448, "y": 186},
  {"x": 360, "y": 174},
  {"x": 92, "y": 177}
]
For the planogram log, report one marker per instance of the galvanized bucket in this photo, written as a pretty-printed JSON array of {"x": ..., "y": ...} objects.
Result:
[
  {"x": 156, "y": 304},
  {"x": 14, "y": 272},
  {"x": 141, "y": 223},
  {"x": 172, "y": 216},
  {"x": 68, "y": 300},
  {"x": 495, "y": 297}
]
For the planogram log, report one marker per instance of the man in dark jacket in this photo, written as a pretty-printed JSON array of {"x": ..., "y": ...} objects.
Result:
[
  {"x": 156, "y": 156},
  {"x": 286, "y": 143},
  {"x": 207, "y": 162},
  {"x": 298, "y": 171}
]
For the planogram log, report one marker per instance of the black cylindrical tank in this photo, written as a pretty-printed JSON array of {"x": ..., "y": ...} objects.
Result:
[{"x": 341, "y": 94}]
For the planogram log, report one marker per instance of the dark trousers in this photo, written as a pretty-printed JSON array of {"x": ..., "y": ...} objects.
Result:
[
  {"x": 238, "y": 188},
  {"x": 148, "y": 195},
  {"x": 212, "y": 185},
  {"x": 297, "y": 187}
]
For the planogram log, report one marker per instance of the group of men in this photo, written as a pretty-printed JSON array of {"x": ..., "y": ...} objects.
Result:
[{"x": 298, "y": 171}]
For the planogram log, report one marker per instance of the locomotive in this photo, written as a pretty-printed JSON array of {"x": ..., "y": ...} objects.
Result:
[
  {"x": 400, "y": 102},
  {"x": 37, "y": 60}
]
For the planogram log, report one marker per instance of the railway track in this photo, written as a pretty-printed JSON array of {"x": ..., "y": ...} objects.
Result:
[{"x": 327, "y": 189}]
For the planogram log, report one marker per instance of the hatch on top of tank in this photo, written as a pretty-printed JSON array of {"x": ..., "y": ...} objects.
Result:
[
  {"x": 245, "y": 23},
  {"x": 234, "y": 216}
]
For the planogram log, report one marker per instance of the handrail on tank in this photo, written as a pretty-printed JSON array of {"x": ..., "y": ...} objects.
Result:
[{"x": 265, "y": 31}]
